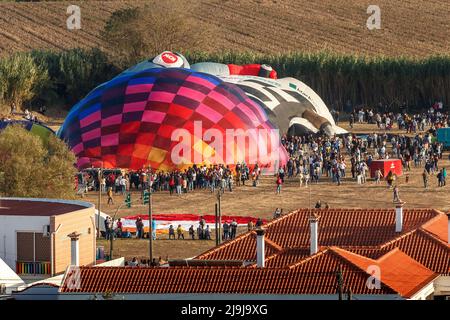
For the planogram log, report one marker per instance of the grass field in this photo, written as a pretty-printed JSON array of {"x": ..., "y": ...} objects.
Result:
[
  {"x": 410, "y": 27},
  {"x": 262, "y": 201}
]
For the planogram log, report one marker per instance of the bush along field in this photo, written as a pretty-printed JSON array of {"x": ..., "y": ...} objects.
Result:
[{"x": 63, "y": 78}]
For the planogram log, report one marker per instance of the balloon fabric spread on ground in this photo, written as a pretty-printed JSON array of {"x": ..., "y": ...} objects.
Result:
[
  {"x": 128, "y": 122},
  {"x": 40, "y": 130}
]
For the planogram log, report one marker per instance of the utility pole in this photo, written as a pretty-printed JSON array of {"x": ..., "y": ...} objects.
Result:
[
  {"x": 340, "y": 282},
  {"x": 217, "y": 224},
  {"x": 100, "y": 175},
  {"x": 220, "y": 218},
  {"x": 150, "y": 219}
]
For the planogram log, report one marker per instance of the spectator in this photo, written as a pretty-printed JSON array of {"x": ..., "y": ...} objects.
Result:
[
  {"x": 171, "y": 232},
  {"x": 250, "y": 225},
  {"x": 226, "y": 230},
  {"x": 207, "y": 233},
  {"x": 180, "y": 233},
  {"x": 139, "y": 228},
  {"x": 110, "y": 196},
  {"x": 192, "y": 232},
  {"x": 233, "y": 227}
]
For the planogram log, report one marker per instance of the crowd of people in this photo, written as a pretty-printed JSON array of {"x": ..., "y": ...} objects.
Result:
[{"x": 312, "y": 159}]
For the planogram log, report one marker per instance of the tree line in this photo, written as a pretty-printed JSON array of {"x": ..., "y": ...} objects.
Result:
[{"x": 63, "y": 78}]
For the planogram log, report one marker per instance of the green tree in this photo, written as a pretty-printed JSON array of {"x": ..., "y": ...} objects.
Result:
[
  {"x": 32, "y": 167},
  {"x": 133, "y": 34},
  {"x": 21, "y": 79}
]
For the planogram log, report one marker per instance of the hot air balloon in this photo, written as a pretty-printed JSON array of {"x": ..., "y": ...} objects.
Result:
[
  {"x": 36, "y": 128},
  {"x": 164, "y": 115}
]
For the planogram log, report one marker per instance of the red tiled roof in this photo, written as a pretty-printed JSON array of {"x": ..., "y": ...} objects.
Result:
[
  {"x": 398, "y": 270},
  {"x": 219, "y": 280},
  {"x": 438, "y": 226},
  {"x": 345, "y": 227},
  {"x": 348, "y": 238},
  {"x": 424, "y": 248},
  {"x": 368, "y": 232},
  {"x": 242, "y": 248},
  {"x": 30, "y": 207}
]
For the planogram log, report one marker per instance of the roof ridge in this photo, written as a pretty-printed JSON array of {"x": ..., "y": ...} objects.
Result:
[
  {"x": 273, "y": 244},
  {"x": 277, "y": 220},
  {"x": 433, "y": 237},
  {"x": 341, "y": 257},
  {"x": 225, "y": 244},
  {"x": 437, "y": 216},
  {"x": 390, "y": 253},
  {"x": 336, "y": 250},
  {"x": 299, "y": 263},
  {"x": 398, "y": 238}
]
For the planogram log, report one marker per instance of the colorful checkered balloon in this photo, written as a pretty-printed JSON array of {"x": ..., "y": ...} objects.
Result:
[{"x": 128, "y": 122}]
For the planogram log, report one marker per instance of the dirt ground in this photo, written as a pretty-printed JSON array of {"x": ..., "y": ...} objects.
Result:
[{"x": 262, "y": 201}]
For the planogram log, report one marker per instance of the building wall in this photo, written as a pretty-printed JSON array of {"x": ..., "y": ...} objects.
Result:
[
  {"x": 9, "y": 226},
  {"x": 442, "y": 286},
  {"x": 82, "y": 222},
  {"x": 209, "y": 297}
]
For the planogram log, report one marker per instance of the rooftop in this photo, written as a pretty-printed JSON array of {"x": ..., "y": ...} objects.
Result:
[
  {"x": 38, "y": 207},
  {"x": 349, "y": 239}
]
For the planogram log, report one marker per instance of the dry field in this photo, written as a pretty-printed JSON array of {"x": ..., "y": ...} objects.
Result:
[
  {"x": 408, "y": 27},
  {"x": 262, "y": 201}
]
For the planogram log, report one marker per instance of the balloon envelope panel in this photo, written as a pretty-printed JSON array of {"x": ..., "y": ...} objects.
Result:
[
  {"x": 40, "y": 130},
  {"x": 128, "y": 122}
]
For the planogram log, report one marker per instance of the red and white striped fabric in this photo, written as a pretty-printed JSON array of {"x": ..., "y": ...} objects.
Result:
[{"x": 163, "y": 221}]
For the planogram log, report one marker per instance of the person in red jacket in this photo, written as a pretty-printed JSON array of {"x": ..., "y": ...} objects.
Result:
[{"x": 279, "y": 183}]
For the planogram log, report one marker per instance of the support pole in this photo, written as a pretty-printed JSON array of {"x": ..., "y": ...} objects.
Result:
[
  {"x": 220, "y": 217},
  {"x": 217, "y": 224},
  {"x": 150, "y": 218},
  {"x": 100, "y": 174}
]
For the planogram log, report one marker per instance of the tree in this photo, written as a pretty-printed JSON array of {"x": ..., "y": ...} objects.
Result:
[
  {"x": 21, "y": 79},
  {"x": 32, "y": 167},
  {"x": 133, "y": 34}
]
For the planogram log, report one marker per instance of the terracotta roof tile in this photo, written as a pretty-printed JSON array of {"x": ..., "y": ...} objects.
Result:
[
  {"x": 220, "y": 280},
  {"x": 345, "y": 227},
  {"x": 242, "y": 248},
  {"x": 397, "y": 270},
  {"x": 438, "y": 226},
  {"x": 348, "y": 238},
  {"x": 425, "y": 248}
]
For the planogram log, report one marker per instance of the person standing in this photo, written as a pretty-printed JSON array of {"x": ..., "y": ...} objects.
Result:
[
  {"x": 171, "y": 232},
  {"x": 180, "y": 232},
  {"x": 250, "y": 225},
  {"x": 123, "y": 185},
  {"x": 110, "y": 196},
  {"x": 444, "y": 175},
  {"x": 233, "y": 226},
  {"x": 139, "y": 228},
  {"x": 396, "y": 194},
  {"x": 108, "y": 228},
  {"x": 119, "y": 227},
  {"x": 279, "y": 182},
  {"x": 425, "y": 178},
  {"x": 153, "y": 229},
  {"x": 192, "y": 232},
  {"x": 207, "y": 233},
  {"x": 226, "y": 230}
]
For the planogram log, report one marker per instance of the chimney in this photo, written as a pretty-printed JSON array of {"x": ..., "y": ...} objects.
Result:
[
  {"x": 74, "y": 248},
  {"x": 260, "y": 255},
  {"x": 314, "y": 225},
  {"x": 399, "y": 216}
]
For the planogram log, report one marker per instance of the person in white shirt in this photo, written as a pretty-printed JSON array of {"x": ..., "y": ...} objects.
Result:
[{"x": 123, "y": 185}]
